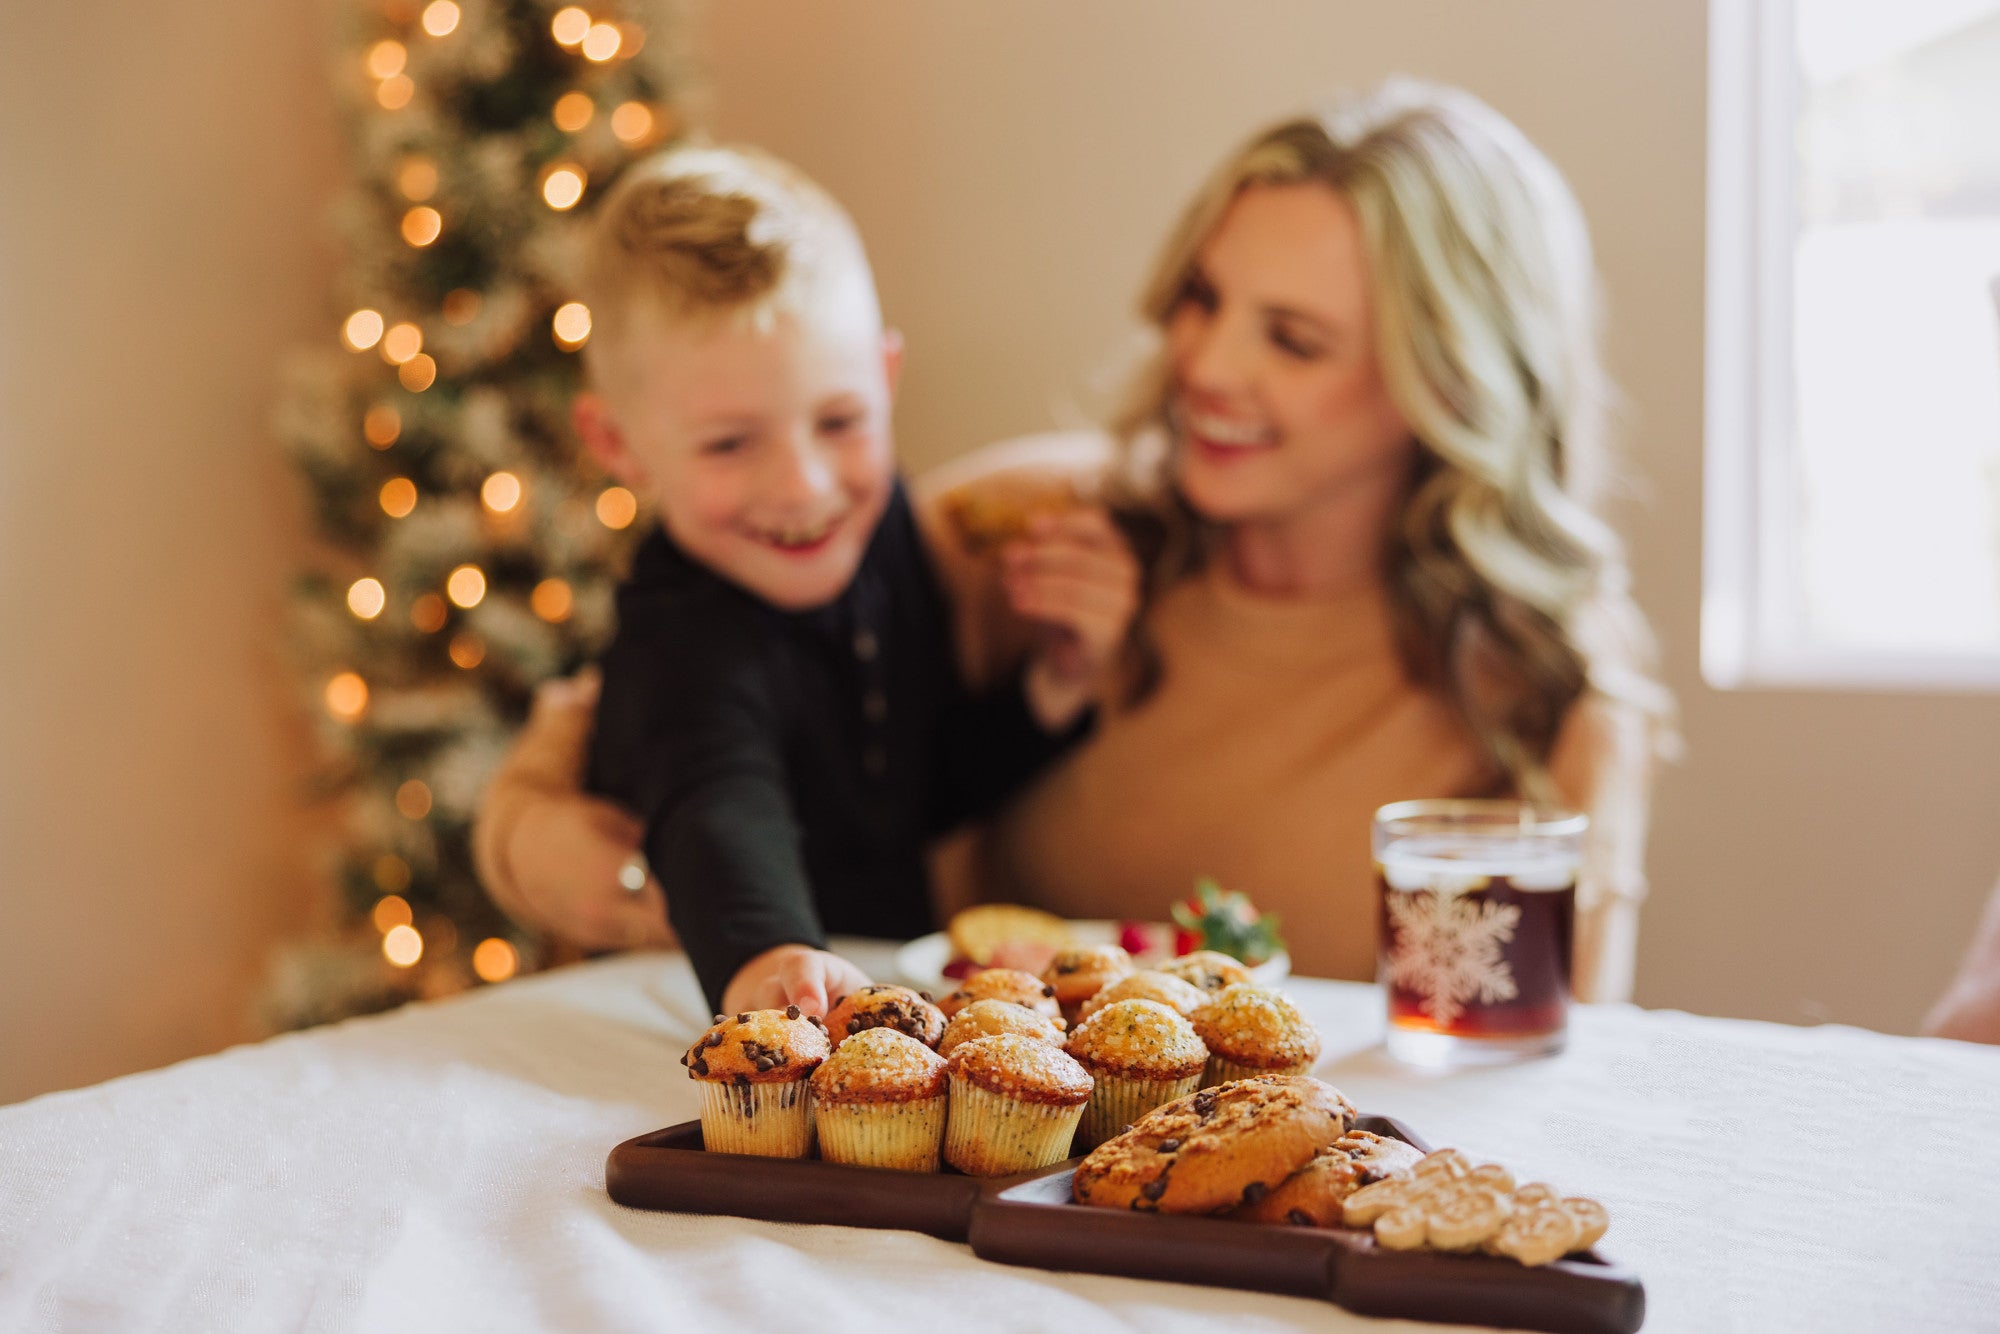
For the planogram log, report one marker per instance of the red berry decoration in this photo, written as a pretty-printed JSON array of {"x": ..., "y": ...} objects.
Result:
[{"x": 1215, "y": 919}]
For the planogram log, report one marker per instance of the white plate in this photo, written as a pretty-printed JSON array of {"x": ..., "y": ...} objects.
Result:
[{"x": 921, "y": 962}]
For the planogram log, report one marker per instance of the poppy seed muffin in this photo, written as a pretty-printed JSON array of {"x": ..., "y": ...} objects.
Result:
[
  {"x": 1080, "y": 972},
  {"x": 1252, "y": 1030},
  {"x": 1207, "y": 969},
  {"x": 1015, "y": 1104},
  {"x": 879, "y": 1101},
  {"x": 753, "y": 1069},
  {"x": 1182, "y": 997},
  {"x": 991, "y": 1018},
  {"x": 1004, "y": 984},
  {"x": 1139, "y": 1054},
  {"x": 882, "y": 1006}
]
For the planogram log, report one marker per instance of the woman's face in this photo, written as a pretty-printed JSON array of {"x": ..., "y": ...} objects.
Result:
[{"x": 1277, "y": 395}]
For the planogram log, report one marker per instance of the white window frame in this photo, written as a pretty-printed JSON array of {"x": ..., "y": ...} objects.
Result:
[{"x": 1749, "y": 632}]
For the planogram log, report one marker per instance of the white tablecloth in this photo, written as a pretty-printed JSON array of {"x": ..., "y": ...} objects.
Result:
[{"x": 443, "y": 1168}]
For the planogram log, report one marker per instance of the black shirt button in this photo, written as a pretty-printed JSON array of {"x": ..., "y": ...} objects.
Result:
[
  {"x": 876, "y": 761},
  {"x": 866, "y": 646},
  {"x": 875, "y": 706}
]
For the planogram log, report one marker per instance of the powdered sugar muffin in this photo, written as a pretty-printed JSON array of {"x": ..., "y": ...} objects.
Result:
[
  {"x": 991, "y": 1018},
  {"x": 753, "y": 1070},
  {"x": 1183, "y": 997},
  {"x": 1004, "y": 984},
  {"x": 1253, "y": 1030},
  {"x": 1139, "y": 1054},
  {"x": 883, "y": 1006},
  {"x": 879, "y": 1101},
  {"x": 1015, "y": 1104},
  {"x": 1081, "y": 971},
  {"x": 1207, "y": 969}
]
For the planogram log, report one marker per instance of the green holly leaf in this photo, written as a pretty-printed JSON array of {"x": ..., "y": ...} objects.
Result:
[{"x": 1228, "y": 923}]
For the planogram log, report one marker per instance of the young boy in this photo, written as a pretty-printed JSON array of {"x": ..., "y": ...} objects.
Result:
[{"x": 781, "y": 706}]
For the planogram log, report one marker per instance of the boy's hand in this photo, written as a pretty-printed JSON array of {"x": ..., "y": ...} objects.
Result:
[
  {"x": 792, "y": 975},
  {"x": 1074, "y": 573}
]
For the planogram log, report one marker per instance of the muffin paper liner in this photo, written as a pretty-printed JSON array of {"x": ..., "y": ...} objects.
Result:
[
  {"x": 1116, "y": 1103},
  {"x": 768, "y": 1120},
  {"x": 991, "y": 1134},
  {"x": 1221, "y": 1072},
  {"x": 904, "y": 1135}
]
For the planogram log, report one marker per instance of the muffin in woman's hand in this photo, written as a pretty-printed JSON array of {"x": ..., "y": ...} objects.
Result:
[
  {"x": 1252, "y": 1030},
  {"x": 1015, "y": 1104},
  {"x": 991, "y": 1018},
  {"x": 1003, "y": 984},
  {"x": 1207, "y": 969},
  {"x": 1081, "y": 971},
  {"x": 1139, "y": 1054},
  {"x": 879, "y": 1101},
  {"x": 883, "y": 1006},
  {"x": 753, "y": 1069},
  {"x": 1182, "y": 997}
]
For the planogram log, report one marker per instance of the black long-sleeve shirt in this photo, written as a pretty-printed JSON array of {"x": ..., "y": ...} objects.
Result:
[{"x": 790, "y": 767}]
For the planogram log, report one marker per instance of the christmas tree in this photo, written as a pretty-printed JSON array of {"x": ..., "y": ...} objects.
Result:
[{"x": 465, "y": 549}]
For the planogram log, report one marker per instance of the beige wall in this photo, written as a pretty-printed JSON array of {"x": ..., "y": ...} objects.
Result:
[
  {"x": 1013, "y": 166},
  {"x": 163, "y": 172}
]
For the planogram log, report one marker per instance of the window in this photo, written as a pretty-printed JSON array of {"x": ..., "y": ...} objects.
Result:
[{"x": 1852, "y": 524}]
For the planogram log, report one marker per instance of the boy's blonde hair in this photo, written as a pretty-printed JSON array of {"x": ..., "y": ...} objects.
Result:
[{"x": 710, "y": 233}]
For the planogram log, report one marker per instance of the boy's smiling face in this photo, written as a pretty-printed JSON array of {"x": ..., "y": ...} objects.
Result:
[{"x": 765, "y": 448}]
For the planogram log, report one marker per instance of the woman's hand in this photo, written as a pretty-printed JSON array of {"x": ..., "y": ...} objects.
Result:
[
  {"x": 792, "y": 975},
  {"x": 1073, "y": 573}
]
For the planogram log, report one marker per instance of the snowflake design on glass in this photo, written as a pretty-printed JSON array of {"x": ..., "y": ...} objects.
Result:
[{"x": 1448, "y": 950}]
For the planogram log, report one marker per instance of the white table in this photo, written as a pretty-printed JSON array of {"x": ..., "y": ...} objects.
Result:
[{"x": 442, "y": 1167}]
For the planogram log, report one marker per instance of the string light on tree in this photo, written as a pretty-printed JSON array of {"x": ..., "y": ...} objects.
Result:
[
  {"x": 417, "y": 178},
  {"x": 563, "y": 186},
  {"x": 602, "y": 42},
  {"x": 461, "y": 306},
  {"x": 395, "y": 92},
  {"x": 466, "y": 586},
  {"x": 390, "y": 912},
  {"x": 494, "y": 960},
  {"x": 501, "y": 492},
  {"x": 386, "y": 59},
  {"x": 616, "y": 507},
  {"x": 418, "y": 373},
  {"x": 402, "y": 946},
  {"x": 440, "y": 17},
  {"x": 552, "y": 600},
  {"x": 363, "y": 329},
  {"x": 632, "y": 123},
  {"x": 366, "y": 598},
  {"x": 467, "y": 650},
  {"x": 574, "y": 110},
  {"x": 347, "y": 697},
  {"x": 429, "y": 613},
  {"x": 413, "y": 799},
  {"x": 401, "y": 342},
  {"x": 571, "y": 325},
  {"x": 398, "y": 497},
  {"x": 391, "y": 874},
  {"x": 570, "y": 26},
  {"x": 422, "y": 225}
]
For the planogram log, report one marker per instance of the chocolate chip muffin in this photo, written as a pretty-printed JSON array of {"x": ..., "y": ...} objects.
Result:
[
  {"x": 1314, "y": 1195},
  {"x": 1182, "y": 997},
  {"x": 990, "y": 1018},
  {"x": 753, "y": 1069},
  {"x": 879, "y": 1101},
  {"x": 1207, "y": 969},
  {"x": 1139, "y": 1054},
  {"x": 908, "y": 1012},
  {"x": 1003, "y": 984},
  {"x": 1080, "y": 972},
  {"x": 1216, "y": 1149},
  {"x": 1015, "y": 1104},
  {"x": 1253, "y": 1030}
]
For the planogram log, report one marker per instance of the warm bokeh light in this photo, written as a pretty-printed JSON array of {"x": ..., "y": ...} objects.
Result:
[
  {"x": 570, "y": 25},
  {"x": 386, "y": 59},
  {"x": 347, "y": 696},
  {"x": 391, "y": 911},
  {"x": 402, "y": 342},
  {"x": 382, "y": 426},
  {"x": 418, "y": 373},
  {"x": 440, "y": 934},
  {"x": 467, "y": 650},
  {"x": 632, "y": 122},
  {"x": 398, "y": 497},
  {"x": 616, "y": 507},
  {"x": 466, "y": 586},
  {"x": 563, "y": 186},
  {"x": 421, "y": 225},
  {"x": 461, "y": 306},
  {"x": 417, "y": 178},
  {"x": 413, "y": 799},
  {"x": 402, "y": 946},
  {"x": 429, "y": 613},
  {"x": 392, "y": 876},
  {"x": 366, "y": 598},
  {"x": 571, "y": 324},
  {"x": 440, "y": 17},
  {"x": 363, "y": 329},
  {"x": 630, "y": 38},
  {"x": 602, "y": 41},
  {"x": 494, "y": 960},
  {"x": 573, "y": 111},
  {"x": 501, "y": 492},
  {"x": 552, "y": 600},
  {"x": 395, "y": 92}
]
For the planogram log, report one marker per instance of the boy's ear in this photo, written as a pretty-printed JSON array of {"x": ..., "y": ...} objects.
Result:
[
  {"x": 892, "y": 358},
  {"x": 591, "y": 416}
]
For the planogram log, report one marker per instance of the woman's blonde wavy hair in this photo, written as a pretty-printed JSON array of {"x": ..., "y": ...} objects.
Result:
[{"x": 1510, "y": 594}]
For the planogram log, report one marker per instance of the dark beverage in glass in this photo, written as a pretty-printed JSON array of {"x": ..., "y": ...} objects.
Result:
[{"x": 1478, "y": 912}]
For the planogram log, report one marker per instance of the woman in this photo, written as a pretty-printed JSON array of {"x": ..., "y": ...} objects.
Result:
[{"x": 1361, "y": 466}]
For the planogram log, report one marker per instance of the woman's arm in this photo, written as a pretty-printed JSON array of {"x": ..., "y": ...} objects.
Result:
[{"x": 1602, "y": 764}]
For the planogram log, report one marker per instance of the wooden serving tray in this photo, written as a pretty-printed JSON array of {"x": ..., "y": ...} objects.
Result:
[
  {"x": 669, "y": 1169},
  {"x": 1036, "y": 1223}
]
